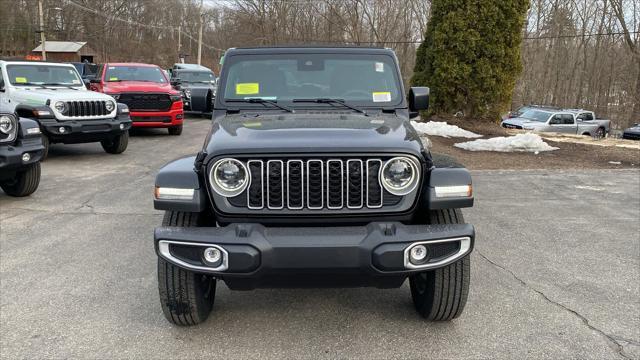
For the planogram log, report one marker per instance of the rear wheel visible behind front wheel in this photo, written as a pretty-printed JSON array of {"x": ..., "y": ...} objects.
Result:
[
  {"x": 441, "y": 294},
  {"x": 186, "y": 297},
  {"x": 116, "y": 145}
]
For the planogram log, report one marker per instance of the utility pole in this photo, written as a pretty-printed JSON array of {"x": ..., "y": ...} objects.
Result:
[
  {"x": 42, "y": 37},
  {"x": 200, "y": 33},
  {"x": 180, "y": 42}
]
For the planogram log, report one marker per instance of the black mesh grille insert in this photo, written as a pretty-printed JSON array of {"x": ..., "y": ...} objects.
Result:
[
  {"x": 334, "y": 184},
  {"x": 314, "y": 184},
  {"x": 146, "y": 102},
  {"x": 275, "y": 184},
  {"x": 255, "y": 198},
  {"x": 354, "y": 186},
  {"x": 374, "y": 189},
  {"x": 295, "y": 184}
]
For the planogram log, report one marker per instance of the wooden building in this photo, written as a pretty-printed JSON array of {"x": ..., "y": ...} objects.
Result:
[{"x": 65, "y": 51}]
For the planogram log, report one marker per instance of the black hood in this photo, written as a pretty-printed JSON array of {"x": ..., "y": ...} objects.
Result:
[
  {"x": 195, "y": 85},
  {"x": 312, "y": 133}
]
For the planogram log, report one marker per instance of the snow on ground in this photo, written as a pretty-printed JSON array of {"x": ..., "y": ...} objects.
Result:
[
  {"x": 443, "y": 129},
  {"x": 519, "y": 143}
]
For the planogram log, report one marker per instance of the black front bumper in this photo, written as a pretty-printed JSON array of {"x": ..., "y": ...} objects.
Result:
[
  {"x": 11, "y": 155},
  {"x": 84, "y": 131},
  {"x": 258, "y": 256}
]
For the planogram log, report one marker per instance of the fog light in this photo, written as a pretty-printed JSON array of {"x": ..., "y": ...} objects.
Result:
[
  {"x": 418, "y": 254},
  {"x": 62, "y": 130},
  {"x": 212, "y": 256},
  {"x": 26, "y": 157},
  {"x": 121, "y": 126}
]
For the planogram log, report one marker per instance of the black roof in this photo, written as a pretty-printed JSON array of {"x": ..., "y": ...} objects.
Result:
[{"x": 310, "y": 50}]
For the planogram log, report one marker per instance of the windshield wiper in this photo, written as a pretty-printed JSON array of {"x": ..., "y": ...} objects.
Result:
[
  {"x": 262, "y": 101},
  {"x": 60, "y": 84},
  {"x": 332, "y": 101}
]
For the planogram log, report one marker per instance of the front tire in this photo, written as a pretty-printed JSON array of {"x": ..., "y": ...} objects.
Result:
[
  {"x": 441, "y": 294},
  {"x": 25, "y": 182},
  {"x": 46, "y": 144},
  {"x": 116, "y": 145},
  {"x": 186, "y": 297},
  {"x": 175, "y": 130}
]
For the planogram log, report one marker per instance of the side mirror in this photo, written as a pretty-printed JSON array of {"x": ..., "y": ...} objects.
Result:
[
  {"x": 418, "y": 99},
  {"x": 94, "y": 81},
  {"x": 175, "y": 81}
]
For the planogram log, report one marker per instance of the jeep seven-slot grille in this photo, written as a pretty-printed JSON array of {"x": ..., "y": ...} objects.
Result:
[
  {"x": 146, "y": 102},
  {"x": 86, "y": 108},
  {"x": 314, "y": 184}
]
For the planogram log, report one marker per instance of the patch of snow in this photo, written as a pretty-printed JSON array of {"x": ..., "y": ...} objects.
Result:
[
  {"x": 437, "y": 128},
  {"x": 615, "y": 162},
  {"x": 528, "y": 142},
  {"x": 593, "y": 188}
]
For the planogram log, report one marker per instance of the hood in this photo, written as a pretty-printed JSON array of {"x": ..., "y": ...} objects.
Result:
[
  {"x": 522, "y": 122},
  {"x": 190, "y": 85},
  {"x": 138, "y": 86},
  {"x": 39, "y": 96},
  {"x": 312, "y": 133}
]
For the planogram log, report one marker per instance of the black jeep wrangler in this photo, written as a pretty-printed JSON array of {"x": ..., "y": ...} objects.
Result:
[
  {"x": 21, "y": 149},
  {"x": 312, "y": 176}
]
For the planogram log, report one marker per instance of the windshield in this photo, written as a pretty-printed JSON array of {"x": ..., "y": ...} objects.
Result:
[
  {"x": 536, "y": 115},
  {"x": 135, "y": 73},
  {"x": 364, "y": 80},
  {"x": 195, "y": 76},
  {"x": 38, "y": 74}
]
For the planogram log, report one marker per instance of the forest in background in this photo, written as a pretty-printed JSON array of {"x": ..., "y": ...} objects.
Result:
[{"x": 575, "y": 53}]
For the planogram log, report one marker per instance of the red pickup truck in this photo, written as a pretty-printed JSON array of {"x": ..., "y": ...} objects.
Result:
[{"x": 146, "y": 90}]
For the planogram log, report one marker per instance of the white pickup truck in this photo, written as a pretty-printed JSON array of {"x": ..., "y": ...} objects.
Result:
[
  {"x": 569, "y": 121},
  {"x": 55, "y": 97}
]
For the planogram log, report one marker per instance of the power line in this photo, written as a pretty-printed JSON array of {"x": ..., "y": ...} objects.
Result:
[{"x": 139, "y": 24}]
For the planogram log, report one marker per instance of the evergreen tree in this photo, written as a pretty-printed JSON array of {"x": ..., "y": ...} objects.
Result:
[{"x": 470, "y": 56}]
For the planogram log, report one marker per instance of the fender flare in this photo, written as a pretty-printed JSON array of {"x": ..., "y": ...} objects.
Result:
[
  {"x": 446, "y": 178},
  {"x": 177, "y": 176}
]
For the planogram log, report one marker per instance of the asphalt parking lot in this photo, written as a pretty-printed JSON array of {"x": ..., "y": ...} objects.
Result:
[{"x": 555, "y": 273}]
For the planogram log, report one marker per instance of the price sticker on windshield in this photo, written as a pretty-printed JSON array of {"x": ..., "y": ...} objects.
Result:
[
  {"x": 381, "y": 96},
  {"x": 379, "y": 67},
  {"x": 247, "y": 88},
  {"x": 113, "y": 78},
  {"x": 21, "y": 80}
]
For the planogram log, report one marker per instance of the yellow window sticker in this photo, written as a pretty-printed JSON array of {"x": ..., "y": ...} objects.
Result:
[
  {"x": 21, "y": 80},
  {"x": 253, "y": 124},
  {"x": 247, "y": 88},
  {"x": 381, "y": 96},
  {"x": 113, "y": 78}
]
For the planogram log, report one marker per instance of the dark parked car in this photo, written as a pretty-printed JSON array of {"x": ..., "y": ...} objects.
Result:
[
  {"x": 21, "y": 149},
  {"x": 632, "y": 133},
  {"x": 197, "y": 84},
  {"x": 312, "y": 176}
]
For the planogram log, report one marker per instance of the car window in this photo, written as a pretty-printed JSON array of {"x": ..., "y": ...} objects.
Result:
[
  {"x": 135, "y": 73},
  {"x": 588, "y": 116},
  {"x": 581, "y": 117},
  {"x": 556, "y": 120},
  {"x": 567, "y": 119}
]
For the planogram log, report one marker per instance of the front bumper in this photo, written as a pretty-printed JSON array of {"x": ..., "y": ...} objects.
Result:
[
  {"x": 258, "y": 256},
  {"x": 158, "y": 119},
  {"x": 11, "y": 155},
  {"x": 84, "y": 131}
]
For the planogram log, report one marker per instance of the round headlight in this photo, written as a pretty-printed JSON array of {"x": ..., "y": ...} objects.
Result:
[
  {"x": 6, "y": 124},
  {"x": 110, "y": 105},
  {"x": 399, "y": 175},
  {"x": 60, "y": 106},
  {"x": 229, "y": 177}
]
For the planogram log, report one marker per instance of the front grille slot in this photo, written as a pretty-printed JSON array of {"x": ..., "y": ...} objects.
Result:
[
  {"x": 275, "y": 184},
  {"x": 315, "y": 184},
  {"x": 86, "y": 108}
]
